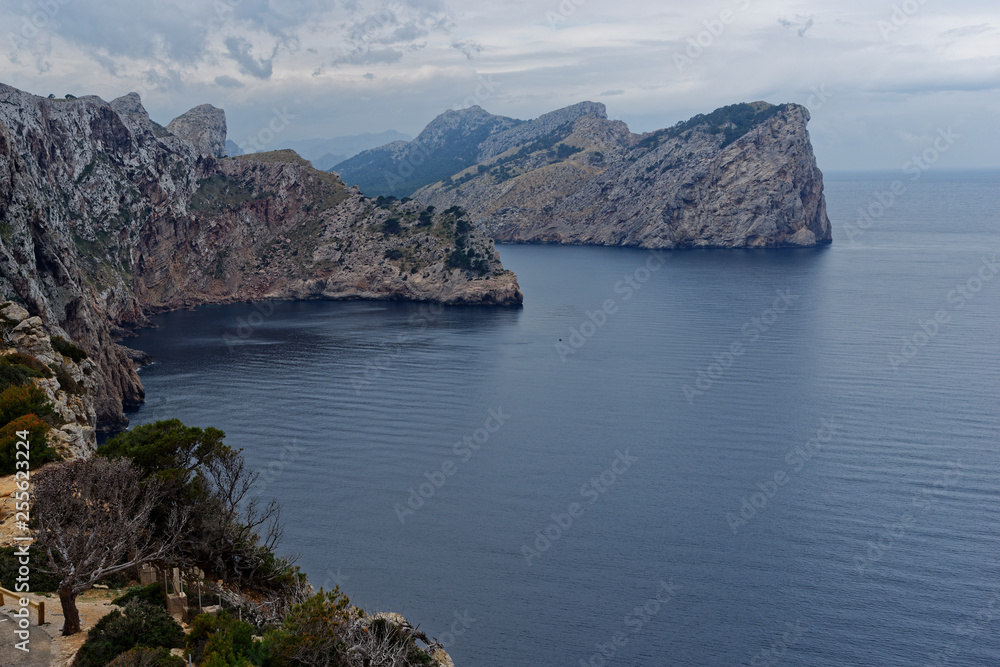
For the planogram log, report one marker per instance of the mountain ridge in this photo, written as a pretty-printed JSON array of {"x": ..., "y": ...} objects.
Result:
[{"x": 107, "y": 216}]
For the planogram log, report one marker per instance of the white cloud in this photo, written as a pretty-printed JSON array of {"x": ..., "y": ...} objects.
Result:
[{"x": 371, "y": 65}]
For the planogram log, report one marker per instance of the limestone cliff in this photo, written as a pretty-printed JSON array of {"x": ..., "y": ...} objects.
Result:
[
  {"x": 106, "y": 216},
  {"x": 742, "y": 176}
]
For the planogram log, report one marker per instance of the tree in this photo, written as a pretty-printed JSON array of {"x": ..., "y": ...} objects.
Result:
[
  {"x": 229, "y": 532},
  {"x": 93, "y": 518}
]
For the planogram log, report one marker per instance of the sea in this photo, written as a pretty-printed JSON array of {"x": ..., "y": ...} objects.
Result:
[{"x": 697, "y": 457}]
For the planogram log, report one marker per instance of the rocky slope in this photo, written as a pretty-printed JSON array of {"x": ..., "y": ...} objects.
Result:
[
  {"x": 106, "y": 216},
  {"x": 742, "y": 176}
]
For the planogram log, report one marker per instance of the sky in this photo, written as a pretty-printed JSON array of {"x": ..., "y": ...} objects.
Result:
[{"x": 883, "y": 79}]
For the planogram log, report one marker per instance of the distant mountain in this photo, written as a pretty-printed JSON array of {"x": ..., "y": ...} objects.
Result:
[
  {"x": 233, "y": 149},
  {"x": 452, "y": 142},
  {"x": 325, "y": 153},
  {"x": 741, "y": 176}
]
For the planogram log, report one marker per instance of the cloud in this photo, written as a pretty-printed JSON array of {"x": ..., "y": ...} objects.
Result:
[
  {"x": 228, "y": 82},
  {"x": 470, "y": 47},
  {"x": 240, "y": 50},
  {"x": 612, "y": 93},
  {"x": 369, "y": 56},
  {"x": 800, "y": 24}
]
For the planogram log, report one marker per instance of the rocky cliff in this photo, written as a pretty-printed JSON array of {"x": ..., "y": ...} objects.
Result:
[
  {"x": 106, "y": 216},
  {"x": 741, "y": 176}
]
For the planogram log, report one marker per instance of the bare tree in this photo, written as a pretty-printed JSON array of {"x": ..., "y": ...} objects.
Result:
[{"x": 93, "y": 519}]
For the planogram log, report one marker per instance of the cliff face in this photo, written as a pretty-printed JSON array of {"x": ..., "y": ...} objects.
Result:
[
  {"x": 742, "y": 176},
  {"x": 106, "y": 216}
]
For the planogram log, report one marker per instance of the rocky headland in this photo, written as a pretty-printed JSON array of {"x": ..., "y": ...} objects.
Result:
[
  {"x": 107, "y": 217},
  {"x": 743, "y": 176}
]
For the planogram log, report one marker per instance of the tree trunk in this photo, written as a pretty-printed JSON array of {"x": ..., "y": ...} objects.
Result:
[{"x": 71, "y": 615}]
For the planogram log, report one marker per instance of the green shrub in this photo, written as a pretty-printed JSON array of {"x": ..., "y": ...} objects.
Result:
[
  {"x": 67, "y": 383},
  {"x": 314, "y": 628},
  {"x": 152, "y": 594},
  {"x": 138, "y": 625},
  {"x": 67, "y": 349},
  {"x": 31, "y": 362},
  {"x": 23, "y": 400},
  {"x": 41, "y": 581},
  {"x": 148, "y": 657},
  {"x": 39, "y": 451},
  {"x": 391, "y": 226},
  {"x": 223, "y": 641}
]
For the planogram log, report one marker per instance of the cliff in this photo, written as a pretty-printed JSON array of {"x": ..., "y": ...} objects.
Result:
[
  {"x": 741, "y": 176},
  {"x": 106, "y": 216}
]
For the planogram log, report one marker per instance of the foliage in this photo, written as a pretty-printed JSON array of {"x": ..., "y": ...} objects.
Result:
[
  {"x": 151, "y": 594},
  {"x": 212, "y": 484},
  {"x": 19, "y": 359},
  {"x": 93, "y": 520},
  {"x": 223, "y": 641},
  {"x": 218, "y": 193},
  {"x": 41, "y": 581},
  {"x": 67, "y": 383},
  {"x": 139, "y": 624},
  {"x": 39, "y": 452},
  {"x": 148, "y": 657},
  {"x": 67, "y": 349},
  {"x": 24, "y": 400},
  {"x": 391, "y": 226},
  {"x": 313, "y": 632},
  {"x": 732, "y": 122}
]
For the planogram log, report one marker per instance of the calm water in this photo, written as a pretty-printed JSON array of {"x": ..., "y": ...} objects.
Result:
[{"x": 818, "y": 499}]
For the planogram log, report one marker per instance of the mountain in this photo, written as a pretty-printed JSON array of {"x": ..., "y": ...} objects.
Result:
[
  {"x": 233, "y": 149},
  {"x": 741, "y": 176},
  {"x": 107, "y": 217},
  {"x": 450, "y": 143},
  {"x": 326, "y": 153}
]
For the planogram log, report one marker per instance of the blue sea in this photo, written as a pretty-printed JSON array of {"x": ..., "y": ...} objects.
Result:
[{"x": 703, "y": 457}]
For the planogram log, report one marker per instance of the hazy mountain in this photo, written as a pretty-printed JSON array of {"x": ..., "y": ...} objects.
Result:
[{"x": 329, "y": 152}]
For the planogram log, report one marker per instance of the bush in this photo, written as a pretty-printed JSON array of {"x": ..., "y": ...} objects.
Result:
[
  {"x": 152, "y": 594},
  {"x": 23, "y": 400},
  {"x": 138, "y": 625},
  {"x": 147, "y": 657},
  {"x": 223, "y": 641},
  {"x": 391, "y": 226},
  {"x": 18, "y": 369},
  {"x": 315, "y": 629},
  {"x": 67, "y": 383},
  {"x": 39, "y": 453},
  {"x": 67, "y": 349},
  {"x": 41, "y": 581}
]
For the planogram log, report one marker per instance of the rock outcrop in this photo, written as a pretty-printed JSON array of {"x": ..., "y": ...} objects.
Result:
[
  {"x": 68, "y": 389},
  {"x": 742, "y": 176},
  {"x": 106, "y": 216},
  {"x": 204, "y": 127}
]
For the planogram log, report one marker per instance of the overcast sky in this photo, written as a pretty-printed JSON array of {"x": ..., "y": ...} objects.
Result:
[{"x": 881, "y": 77}]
